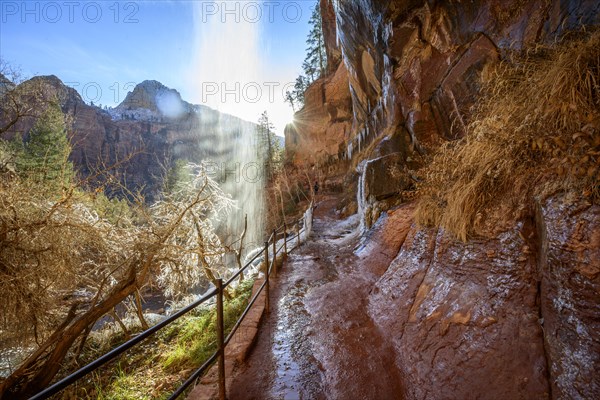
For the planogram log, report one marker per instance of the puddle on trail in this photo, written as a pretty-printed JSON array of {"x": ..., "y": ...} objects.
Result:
[
  {"x": 295, "y": 367},
  {"x": 290, "y": 315}
]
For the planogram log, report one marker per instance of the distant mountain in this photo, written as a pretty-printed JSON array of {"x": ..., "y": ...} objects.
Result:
[
  {"x": 152, "y": 99},
  {"x": 153, "y": 121}
]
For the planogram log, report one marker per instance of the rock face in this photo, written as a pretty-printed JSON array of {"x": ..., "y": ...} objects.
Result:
[
  {"x": 569, "y": 263},
  {"x": 324, "y": 123},
  {"x": 334, "y": 54},
  {"x": 148, "y": 95},
  {"x": 513, "y": 316},
  {"x": 416, "y": 65},
  {"x": 380, "y": 179},
  {"x": 463, "y": 317}
]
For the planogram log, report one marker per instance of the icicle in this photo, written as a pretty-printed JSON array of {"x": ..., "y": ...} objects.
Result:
[
  {"x": 359, "y": 142},
  {"x": 360, "y": 193}
]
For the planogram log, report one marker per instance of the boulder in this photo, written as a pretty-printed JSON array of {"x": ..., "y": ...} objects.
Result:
[
  {"x": 384, "y": 177},
  {"x": 463, "y": 317}
]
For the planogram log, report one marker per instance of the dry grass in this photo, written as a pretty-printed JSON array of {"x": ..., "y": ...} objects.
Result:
[{"x": 536, "y": 131}]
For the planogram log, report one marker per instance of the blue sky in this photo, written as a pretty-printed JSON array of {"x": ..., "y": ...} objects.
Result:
[{"x": 232, "y": 55}]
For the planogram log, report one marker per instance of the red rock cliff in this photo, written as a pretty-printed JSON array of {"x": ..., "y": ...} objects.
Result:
[
  {"x": 511, "y": 316},
  {"x": 413, "y": 66}
]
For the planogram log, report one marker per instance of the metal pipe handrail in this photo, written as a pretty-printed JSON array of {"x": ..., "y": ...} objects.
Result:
[
  {"x": 271, "y": 267},
  {"x": 100, "y": 361},
  {"x": 239, "y": 271},
  {"x": 280, "y": 228},
  {"x": 213, "y": 357},
  {"x": 246, "y": 311},
  {"x": 112, "y": 354},
  {"x": 194, "y": 376},
  {"x": 97, "y": 363}
]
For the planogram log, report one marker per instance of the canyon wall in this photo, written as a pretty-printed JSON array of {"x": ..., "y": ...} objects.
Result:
[
  {"x": 411, "y": 68},
  {"x": 514, "y": 314},
  {"x": 139, "y": 140}
]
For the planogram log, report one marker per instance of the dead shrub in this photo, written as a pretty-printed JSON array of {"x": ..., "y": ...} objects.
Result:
[{"x": 536, "y": 130}]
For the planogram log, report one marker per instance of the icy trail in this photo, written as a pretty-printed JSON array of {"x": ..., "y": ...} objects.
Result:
[{"x": 318, "y": 341}]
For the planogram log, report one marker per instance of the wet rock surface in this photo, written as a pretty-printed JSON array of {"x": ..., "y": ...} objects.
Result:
[
  {"x": 384, "y": 177},
  {"x": 570, "y": 296},
  {"x": 410, "y": 312},
  {"x": 514, "y": 316},
  {"x": 511, "y": 316},
  {"x": 463, "y": 317}
]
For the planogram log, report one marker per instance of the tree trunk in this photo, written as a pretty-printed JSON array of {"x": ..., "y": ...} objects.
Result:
[
  {"x": 140, "y": 311},
  {"x": 238, "y": 253},
  {"x": 118, "y": 320},
  {"x": 37, "y": 371},
  {"x": 202, "y": 262},
  {"x": 82, "y": 344}
]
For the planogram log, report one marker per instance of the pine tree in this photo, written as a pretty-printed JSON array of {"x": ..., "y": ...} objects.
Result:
[
  {"x": 300, "y": 87},
  {"x": 177, "y": 176},
  {"x": 290, "y": 98},
  {"x": 315, "y": 62},
  {"x": 268, "y": 140},
  {"x": 296, "y": 97},
  {"x": 316, "y": 56},
  {"x": 44, "y": 157}
]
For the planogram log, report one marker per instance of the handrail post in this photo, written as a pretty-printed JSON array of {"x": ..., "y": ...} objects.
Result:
[
  {"x": 274, "y": 252},
  {"x": 221, "y": 339},
  {"x": 267, "y": 276},
  {"x": 285, "y": 238}
]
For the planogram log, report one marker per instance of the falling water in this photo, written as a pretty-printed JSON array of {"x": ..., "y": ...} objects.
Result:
[{"x": 227, "y": 60}]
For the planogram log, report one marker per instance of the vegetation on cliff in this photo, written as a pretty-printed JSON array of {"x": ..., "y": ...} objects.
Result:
[
  {"x": 536, "y": 131},
  {"x": 315, "y": 63}
]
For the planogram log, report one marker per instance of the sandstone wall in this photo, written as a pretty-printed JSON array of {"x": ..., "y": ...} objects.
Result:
[{"x": 514, "y": 316}]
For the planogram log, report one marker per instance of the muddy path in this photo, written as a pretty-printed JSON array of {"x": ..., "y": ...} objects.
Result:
[{"x": 318, "y": 341}]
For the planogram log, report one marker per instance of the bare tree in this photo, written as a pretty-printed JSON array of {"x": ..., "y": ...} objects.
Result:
[
  {"x": 63, "y": 265},
  {"x": 19, "y": 99},
  {"x": 69, "y": 256}
]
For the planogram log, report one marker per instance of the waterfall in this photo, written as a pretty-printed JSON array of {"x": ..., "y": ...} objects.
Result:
[{"x": 226, "y": 62}]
